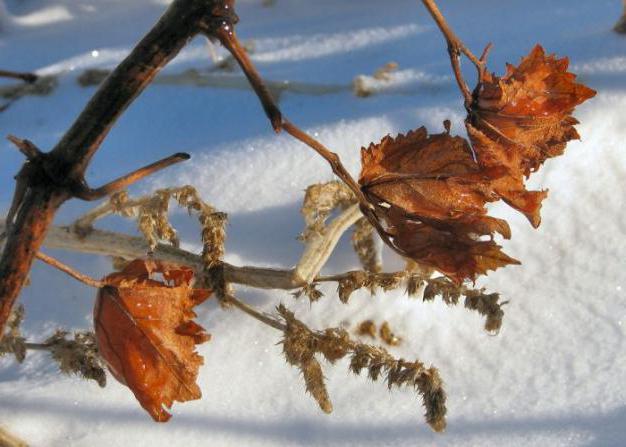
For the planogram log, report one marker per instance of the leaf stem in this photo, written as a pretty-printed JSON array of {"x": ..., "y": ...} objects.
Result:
[
  {"x": 456, "y": 47},
  {"x": 70, "y": 271},
  {"x": 331, "y": 157},
  {"x": 254, "y": 313}
]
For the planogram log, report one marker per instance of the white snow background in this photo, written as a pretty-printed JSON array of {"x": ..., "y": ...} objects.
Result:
[{"x": 554, "y": 375}]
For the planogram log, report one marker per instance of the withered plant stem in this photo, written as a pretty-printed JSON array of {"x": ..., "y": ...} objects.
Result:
[
  {"x": 455, "y": 48},
  {"x": 85, "y": 279},
  {"x": 331, "y": 157},
  {"x": 128, "y": 247},
  {"x": 319, "y": 247},
  {"x": 254, "y": 313},
  {"x": 26, "y": 77}
]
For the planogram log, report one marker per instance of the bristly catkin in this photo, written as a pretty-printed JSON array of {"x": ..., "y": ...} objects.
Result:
[
  {"x": 78, "y": 356},
  {"x": 13, "y": 342},
  {"x": 364, "y": 244},
  {"x": 300, "y": 344},
  {"x": 152, "y": 217},
  {"x": 320, "y": 201}
]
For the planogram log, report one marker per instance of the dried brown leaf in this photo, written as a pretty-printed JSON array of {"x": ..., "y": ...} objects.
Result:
[
  {"x": 146, "y": 335},
  {"x": 429, "y": 192},
  {"x": 521, "y": 119},
  {"x": 429, "y": 196}
]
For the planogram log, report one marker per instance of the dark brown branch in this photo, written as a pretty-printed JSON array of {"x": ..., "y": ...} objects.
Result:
[
  {"x": 620, "y": 26},
  {"x": 455, "y": 48},
  {"x": 127, "y": 180},
  {"x": 26, "y": 77},
  {"x": 26, "y": 147},
  {"x": 20, "y": 191},
  {"x": 226, "y": 35},
  {"x": 70, "y": 271},
  {"x": 51, "y": 178}
]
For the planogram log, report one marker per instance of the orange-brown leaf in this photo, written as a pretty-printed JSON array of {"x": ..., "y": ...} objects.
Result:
[
  {"x": 145, "y": 333},
  {"x": 429, "y": 192},
  {"x": 456, "y": 254},
  {"x": 429, "y": 196},
  {"x": 519, "y": 120}
]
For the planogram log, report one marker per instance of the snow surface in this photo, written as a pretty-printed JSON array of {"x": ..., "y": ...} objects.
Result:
[{"x": 555, "y": 373}]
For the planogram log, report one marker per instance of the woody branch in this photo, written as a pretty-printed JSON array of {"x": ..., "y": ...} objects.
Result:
[{"x": 47, "y": 180}]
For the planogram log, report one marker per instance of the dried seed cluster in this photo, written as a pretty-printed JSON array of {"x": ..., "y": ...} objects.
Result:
[{"x": 301, "y": 345}]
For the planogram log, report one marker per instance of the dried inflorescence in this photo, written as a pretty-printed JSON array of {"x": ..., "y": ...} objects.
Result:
[
  {"x": 320, "y": 200},
  {"x": 486, "y": 304},
  {"x": 310, "y": 291},
  {"x": 398, "y": 373},
  {"x": 152, "y": 214},
  {"x": 352, "y": 281},
  {"x": 387, "y": 335},
  {"x": 421, "y": 284},
  {"x": 367, "y": 328},
  {"x": 301, "y": 344},
  {"x": 78, "y": 356},
  {"x": 365, "y": 246},
  {"x": 13, "y": 342}
]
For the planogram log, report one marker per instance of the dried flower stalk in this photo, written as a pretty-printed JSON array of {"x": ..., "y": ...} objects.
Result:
[
  {"x": 301, "y": 344},
  {"x": 77, "y": 356}
]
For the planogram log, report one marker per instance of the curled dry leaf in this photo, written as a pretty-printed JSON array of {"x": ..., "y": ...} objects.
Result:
[
  {"x": 429, "y": 196},
  {"x": 146, "y": 335},
  {"x": 429, "y": 192},
  {"x": 519, "y": 120}
]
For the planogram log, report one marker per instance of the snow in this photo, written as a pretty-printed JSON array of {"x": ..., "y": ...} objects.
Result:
[{"x": 552, "y": 376}]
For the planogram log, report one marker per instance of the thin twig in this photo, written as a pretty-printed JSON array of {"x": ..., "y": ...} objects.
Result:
[
  {"x": 26, "y": 147},
  {"x": 455, "y": 48},
  {"x": 26, "y": 77},
  {"x": 127, "y": 180},
  {"x": 85, "y": 222},
  {"x": 70, "y": 271},
  {"x": 331, "y": 157},
  {"x": 227, "y": 37},
  {"x": 254, "y": 313}
]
